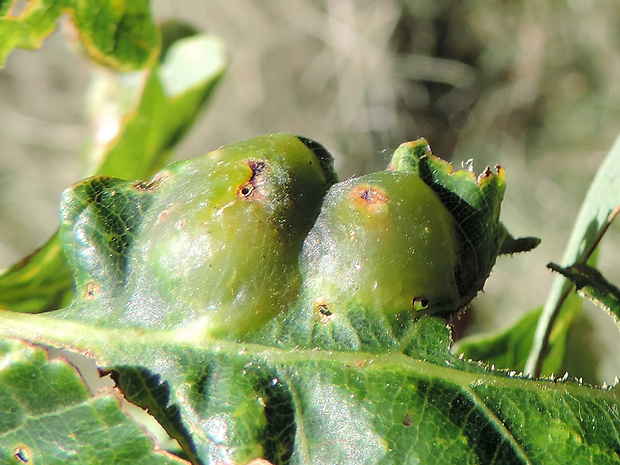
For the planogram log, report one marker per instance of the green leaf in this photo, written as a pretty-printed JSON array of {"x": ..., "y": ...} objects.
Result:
[
  {"x": 521, "y": 244},
  {"x": 235, "y": 400},
  {"x": 129, "y": 38},
  {"x": 119, "y": 34},
  {"x": 141, "y": 117},
  {"x": 42, "y": 281},
  {"x": 595, "y": 216},
  {"x": 48, "y": 416},
  {"x": 591, "y": 284},
  {"x": 149, "y": 113}
]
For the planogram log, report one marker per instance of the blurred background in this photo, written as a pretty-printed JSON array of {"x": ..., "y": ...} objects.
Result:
[{"x": 530, "y": 85}]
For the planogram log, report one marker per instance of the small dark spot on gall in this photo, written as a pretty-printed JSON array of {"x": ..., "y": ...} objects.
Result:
[
  {"x": 321, "y": 306},
  {"x": 419, "y": 303},
  {"x": 245, "y": 190},
  {"x": 407, "y": 420},
  {"x": 371, "y": 195},
  {"x": 369, "y": 198},
  {"x": 21, "y": 454},
  {"x": 92, "y": 290},
  {"x": 248, "y": 189},
  {"x": 324, "y": 310}
]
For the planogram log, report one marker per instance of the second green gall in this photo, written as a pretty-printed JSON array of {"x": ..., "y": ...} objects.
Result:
[{"x": 383, "y": 241}]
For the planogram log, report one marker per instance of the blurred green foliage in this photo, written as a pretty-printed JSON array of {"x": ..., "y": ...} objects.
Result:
[{"x": 543, "y": 74}]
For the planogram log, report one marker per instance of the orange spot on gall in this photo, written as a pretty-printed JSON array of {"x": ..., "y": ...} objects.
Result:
[{"x": 368, "y": 198}]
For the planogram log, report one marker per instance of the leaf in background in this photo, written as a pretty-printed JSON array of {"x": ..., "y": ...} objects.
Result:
[
  {"x": 48, "y": 416},
  {"x": 509, "y": 347},
  {"x": 506, "y": 349},
  {"x": 39, "y": 282},
  {"x": 592, "y": 285},
  {"x": 119, "y": 34},
  {"x": 595, "y": 216},
  {"x": 141, "y": 116}
]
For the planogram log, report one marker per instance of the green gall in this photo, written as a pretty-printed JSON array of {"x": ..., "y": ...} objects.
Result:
[
  {"x": 260, "y": 231},
  {"x": 384, "y": 242},
  {"x": 474, "y": 202},
  {"x": 216, "y": 244}
]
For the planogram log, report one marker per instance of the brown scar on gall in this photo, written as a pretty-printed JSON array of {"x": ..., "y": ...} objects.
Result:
[
  {"x": 322, "y": 308},
  {"x": 162, "y": 215},
  {"x": 369, "y": 198},
  {"x": 92, "y": 290},
  {"x": 251, "y": 189},
  {"x": 153, "y": 184}
]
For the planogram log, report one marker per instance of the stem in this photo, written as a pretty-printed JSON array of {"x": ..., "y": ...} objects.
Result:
[{"x": 538, "y": 354}]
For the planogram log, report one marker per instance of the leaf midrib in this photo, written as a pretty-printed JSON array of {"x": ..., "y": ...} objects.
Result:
[{"x": 94, "y": 342}]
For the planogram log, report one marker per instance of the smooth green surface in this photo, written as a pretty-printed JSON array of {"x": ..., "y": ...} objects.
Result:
[
  {"x": 119, "y": 34},
  {"x": 49, "y": 417},
  {"x": 139, "y": 123}
]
